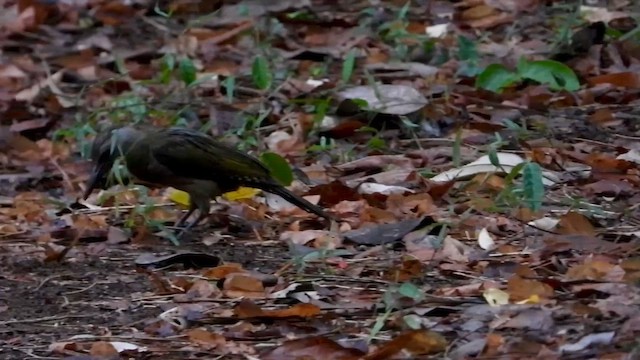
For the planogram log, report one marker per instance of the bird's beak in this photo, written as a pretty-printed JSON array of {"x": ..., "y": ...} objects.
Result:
[{"x": 97, "y": 175}]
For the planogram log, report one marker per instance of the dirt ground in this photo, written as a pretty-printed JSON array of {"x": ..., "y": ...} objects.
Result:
[{"x": 103, "y": 295}]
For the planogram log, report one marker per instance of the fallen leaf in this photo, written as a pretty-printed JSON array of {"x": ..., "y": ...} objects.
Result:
[
  {"x": 523, "y": 289},
  {"x": 205, "y": 338},
  {"x": 312, "y": 348}
]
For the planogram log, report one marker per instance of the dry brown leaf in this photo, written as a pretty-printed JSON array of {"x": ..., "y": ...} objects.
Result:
[
  {"x": 523, "y": 289},
  {"x": 408, "y": 269},
  {"x": 622, "y": 79},
  {"x": 573, "y": 223},
  {"x": 312, "y": 348},
  {"x": 492, "y": 21},
  {"x": 297, "y": 310},
  {"x": 205, "y": 339},
  {"x": 608, "y": 164},
  {"x": 103, "y": 349},
  {"x": 202, "y": 289},
  {"x": 493, "y": 345},
  {"x": 536, "y": 319},
  {"x": 596, "y": 270},
  {"x": 478, "y": 12},
  {"x": 222, "y": 271},
  {"x": 248, "y": 309},
  {"x": 417, "y": 342},
  {"x": 454, "y": 250},
  {"x": 242, "y": 282}
]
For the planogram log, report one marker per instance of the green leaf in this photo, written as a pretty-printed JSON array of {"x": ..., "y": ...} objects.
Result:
[
  {"x": 119, "y": 171},
  {"x": 168, "y": 62},
  {"x": 243, "y": 10},
  {"x": 120, "y": 66},
  {"x": 278, "y": 166},
  {"x": 260, "y": 73},
  {"x": 300, "y": 15},
  {"x": 514, "y": 173},
  {"x": 320, "y": 111},
  {"x": 496, "y": 77},
  {"x": 468, "y": 69},
  {"x": 378, "y": 325},
  {"x": 413, "y": 321},
  {"x": 468, "y": 56},
  {"x": 160, "y": 12},
  {"x": 493, "y": 157},
  {"x": 555, "y": 74},
  {"x": 467, "y": 50},
  {"x": 613, "y": 33},
  {"x": 402, "y": 14},
  {"x": 166, "y": 68},
  {"x": 376, "y": 143},
  {"x": 457, "y": 148},
  {"x": 230, "y": 86},
  {"x": 512, "y": 125},
  {"x": 130, "y": 107},
  {"x": 533, "y": 185},
  {"x": 411, "y": 291},
  {"x": 348, "y": 65},
  {"x": 360, "y": 103},
  {"x": 408, "y": 123},
  {"x": 187, "y": 71},
  {"x": 203, "y": 79}
]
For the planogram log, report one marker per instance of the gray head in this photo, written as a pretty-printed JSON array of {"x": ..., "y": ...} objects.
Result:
[
  {"x": 122, "y": 139},
  {"x": 113, "y": 142},
  {"x": 107, "y": 147}
]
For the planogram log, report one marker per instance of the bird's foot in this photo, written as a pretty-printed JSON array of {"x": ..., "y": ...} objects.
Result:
[
  {"x": 180, "y": 231},
  {"x": 180, "y": 223}
]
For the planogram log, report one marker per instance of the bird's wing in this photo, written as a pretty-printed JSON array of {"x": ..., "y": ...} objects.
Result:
[{"x": 189, "y": 153}]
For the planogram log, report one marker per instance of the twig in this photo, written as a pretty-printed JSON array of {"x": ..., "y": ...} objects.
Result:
[
  {"x": 98, "y": 209},
  {"x": 80, "y": 290},
  {"x": 45, "y": 281},
  {"x": 44, "y": 319},
  {"x": 231, "y": 33},
  {"x": 64, "y": 174}
]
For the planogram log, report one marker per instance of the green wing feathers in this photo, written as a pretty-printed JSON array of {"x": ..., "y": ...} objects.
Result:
[{"x": 193, "y": 154}]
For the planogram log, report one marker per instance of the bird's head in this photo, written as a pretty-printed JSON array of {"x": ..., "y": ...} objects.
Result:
[{"x": 108, "y": 145}]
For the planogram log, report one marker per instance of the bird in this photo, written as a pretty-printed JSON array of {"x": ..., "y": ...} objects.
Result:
[{"x": 186, "y": 160}]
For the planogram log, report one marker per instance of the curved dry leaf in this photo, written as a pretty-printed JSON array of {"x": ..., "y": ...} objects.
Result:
[
  {"x": 414, "y": 68},
  {"x": 591, "y": 339},
  {"x": 373, "y": 188},
  {"x": 387, "y": 99},
  {"x": 485, "y": 240},
  {"x": 496, "y": 297},
  {"x": 545, "y": 223},
  {"x": 483, "y": 165}
]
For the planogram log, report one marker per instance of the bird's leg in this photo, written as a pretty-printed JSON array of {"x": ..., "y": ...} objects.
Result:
[
  {"x": 185, "y": 217},
  {"x": 201, "y": 216},
  {"x": 182, "y": 231},
  {"x": 202, "y": 204}
]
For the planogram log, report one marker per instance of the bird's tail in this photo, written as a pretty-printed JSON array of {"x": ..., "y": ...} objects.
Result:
[{"x": 298, "y": 201}]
